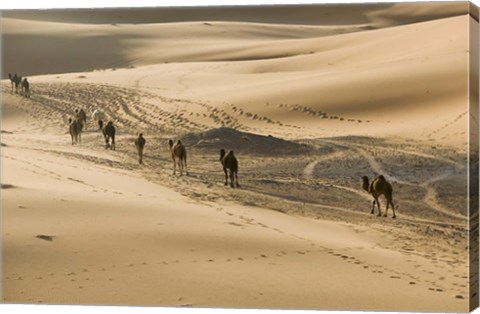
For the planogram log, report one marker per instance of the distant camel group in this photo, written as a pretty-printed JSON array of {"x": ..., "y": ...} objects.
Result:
[
  {"x": 21, "y": 86},
  {"x": 77, "y": 124},
  {"x": 178, "y": 151}
]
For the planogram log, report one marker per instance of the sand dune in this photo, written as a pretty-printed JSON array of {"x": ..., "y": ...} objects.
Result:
[
  {"x": 308, "y": 106},
  {"x": 307, "y": 75}
]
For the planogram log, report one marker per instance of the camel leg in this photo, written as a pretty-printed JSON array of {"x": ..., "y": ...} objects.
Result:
[
  {"x": 236, "y": 180},
  {"x": 186, "y": 169},
  {"x": 373, "y": 208},
  {"x": 231, "y": 178},
  {"x": 378, "y": 206},
  {"x": 393, "y": 209},
  {"x": 140, "y": 155},
  {"x": 226, "y": 176},
  {"x": 113, "y": 143},
  {"x": 180, "y": 166}
]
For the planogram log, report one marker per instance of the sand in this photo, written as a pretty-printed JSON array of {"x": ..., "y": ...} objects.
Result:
[{"x": 318, "y": 106}]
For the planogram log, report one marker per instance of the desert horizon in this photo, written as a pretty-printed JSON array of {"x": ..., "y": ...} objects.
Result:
[{"x": 309, "y": 98}]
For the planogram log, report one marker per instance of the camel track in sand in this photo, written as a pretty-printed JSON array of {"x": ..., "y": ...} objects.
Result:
[
  {"x": 430, "y": 198},
  {"x": 132, "y": 110}
]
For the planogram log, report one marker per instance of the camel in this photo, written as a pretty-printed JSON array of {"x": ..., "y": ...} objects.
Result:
[
  {"x": 230, "y": 163},
  {"x": 26, "y": 88},
  {"x": 17, "y": 80},
  {"x": 179, "y": 156},
  {"x": 377, "y": 187},
  {"x": 140, "y": 144},
  {"x": 75, "y": 129},
  {"x": 109, "y": 134}
]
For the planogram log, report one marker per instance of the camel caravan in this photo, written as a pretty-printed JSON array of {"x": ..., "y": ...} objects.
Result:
[
  {"x": 377, "y": 187},
  {"x": 20, "y": 85}
]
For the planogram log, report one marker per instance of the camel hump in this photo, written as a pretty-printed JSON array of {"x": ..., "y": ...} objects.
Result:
[
  {"x": 179, "y": 142},
  {"x": 381, "y": 177},
  {"x": 170, "y": 142}
]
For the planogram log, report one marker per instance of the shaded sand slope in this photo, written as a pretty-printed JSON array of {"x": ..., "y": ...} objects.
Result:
[
  {"x": 109, "y": 37},
  {"x": 329, "y": 14},
  {"x": 85, "y": 227}
]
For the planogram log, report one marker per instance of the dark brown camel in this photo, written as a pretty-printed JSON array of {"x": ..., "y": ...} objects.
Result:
[
  {"x": 179, "y": 156},
  {"x": 75, "y": 129},
  {"x": 17, "y": 80},
  {"x": 230, "y": 163},
  {"x": 26, "y": 88},
  {"x": 140, "y": 144},
  {"x": 109, "y": 134},
  {"x": 379, "y": 186}
]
